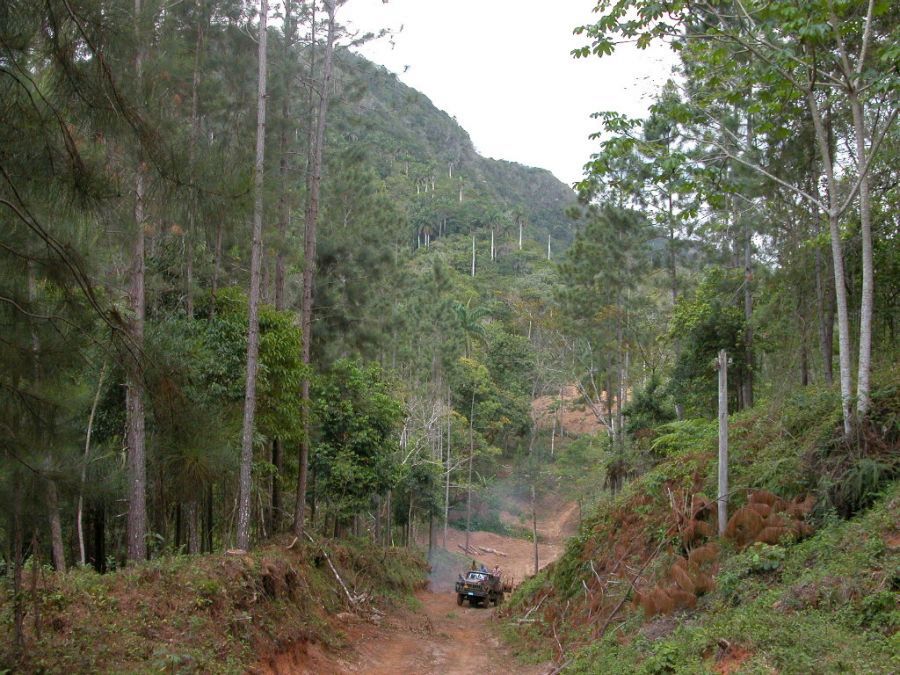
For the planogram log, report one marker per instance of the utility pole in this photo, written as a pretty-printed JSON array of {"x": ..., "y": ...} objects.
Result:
[
  {"x": 471, "y": 457},
  {"x": 722, "y": 367},
  {"x": 447, "y": 484}
]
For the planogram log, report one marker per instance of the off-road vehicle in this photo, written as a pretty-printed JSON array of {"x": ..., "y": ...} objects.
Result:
[{"x": 479, "y": 587}]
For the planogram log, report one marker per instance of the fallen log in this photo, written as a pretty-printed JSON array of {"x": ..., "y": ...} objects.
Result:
[
  {"x": 493, "y": 551},
  {"x": 352, "y": 600}
]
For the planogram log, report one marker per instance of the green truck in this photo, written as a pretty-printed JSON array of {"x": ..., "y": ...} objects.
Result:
[{"x": 479, "y": 587}]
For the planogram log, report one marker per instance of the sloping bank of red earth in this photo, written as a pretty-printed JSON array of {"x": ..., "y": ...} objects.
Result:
[
  {"x": 646, "y": 586},
  {"x": 211, "y": 613}
]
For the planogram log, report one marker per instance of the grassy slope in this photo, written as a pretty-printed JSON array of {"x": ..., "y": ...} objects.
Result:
[
  {"x": 827, "y": 604},
  {"x": 211, "y": 613}
]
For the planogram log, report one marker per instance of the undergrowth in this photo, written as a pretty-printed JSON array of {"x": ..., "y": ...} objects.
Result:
[
  {"x": 826, "y": 604},
  {"x": 211, "y": 613}
]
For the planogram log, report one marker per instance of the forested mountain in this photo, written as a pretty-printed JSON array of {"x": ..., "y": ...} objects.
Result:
[
  {"x": 211, "y": 224},
  {"x": 458, "y": 190}
]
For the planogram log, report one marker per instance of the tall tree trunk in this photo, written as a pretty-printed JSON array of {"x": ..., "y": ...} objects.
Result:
[
  {"x": 277, "y": 506},
  {"x": 191, "y": 509},
  {"x": 134, "y": 397},
  {"x": 837, "y": 255},
  {"x": 57, "y": 550},
  {"x": 852, "y": 85},
  {"x": 18, "y": 561},
  {"x": 389, "y": 529},
  {"x": 51, "y": 496},
  {"x": 191, "y": 516},
  {"x": 867, "y": 300},
  {"x": 79, "y": 510},
  {"x": 314, "y": 180},
  {"x": 747, "y": 377},
  {"x": 409, "y": 520},
  {"x": 825, "y": 315},
  {"x": 284, "y": 215},
  {"x": 802, "y": 333},
  {"x": 98, "y": 519},
  {"x": 673, "y": 283},
  {"x": 245, "y": 484},
  {"x": 217, "y": 264},
  {"x": 192, "y": 156},
  {"x": 378, "y": 531},
  {"x": 209, "y": 518}
]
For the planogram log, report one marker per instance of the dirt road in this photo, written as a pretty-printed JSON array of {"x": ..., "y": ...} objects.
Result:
[
  {"x": 435, "y": 636},
  {"x": 444, "y": 640}
]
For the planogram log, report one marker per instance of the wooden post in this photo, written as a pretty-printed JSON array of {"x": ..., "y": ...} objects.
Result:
[
  {"x": 722, "y": 366},
  {"x": 534, "y": 533},
  {"x": 447, "y": 485},
  {"x": 471, "y": 457}
]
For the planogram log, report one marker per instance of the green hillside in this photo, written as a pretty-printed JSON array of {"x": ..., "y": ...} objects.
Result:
[
  {"x": 410, "y": 142},
  {"x": 826, "y": 603}
]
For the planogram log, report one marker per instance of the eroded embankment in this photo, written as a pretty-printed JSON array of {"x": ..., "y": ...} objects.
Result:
[
  {"x": 433, "y": 635},
  {"x": 647, "y": 586},
  {"x": 211, "y": 613}
]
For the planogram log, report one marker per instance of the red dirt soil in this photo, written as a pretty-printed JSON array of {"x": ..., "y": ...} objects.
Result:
[
  {"x": 439, "y": 637},
  {"x": 574, "y": 415}
]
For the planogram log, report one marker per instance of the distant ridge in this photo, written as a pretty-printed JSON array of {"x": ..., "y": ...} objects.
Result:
[{"x": 427, "y": 159}]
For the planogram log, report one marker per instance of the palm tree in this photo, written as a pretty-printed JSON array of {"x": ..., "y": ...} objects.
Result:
[{"x": 470, "y": 321}]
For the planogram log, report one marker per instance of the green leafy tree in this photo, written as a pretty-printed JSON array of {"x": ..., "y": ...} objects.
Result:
[{"x": 358, "y": 419}]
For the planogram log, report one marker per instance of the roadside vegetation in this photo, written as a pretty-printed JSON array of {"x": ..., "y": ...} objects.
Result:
[
  {"x": 211, "y": 613},
  {"x": 825, "y": 604}
]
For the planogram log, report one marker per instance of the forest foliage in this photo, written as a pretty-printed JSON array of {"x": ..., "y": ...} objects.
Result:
[{"x": 186, "y": 190}]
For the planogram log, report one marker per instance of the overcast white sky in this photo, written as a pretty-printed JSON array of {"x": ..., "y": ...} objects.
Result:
[{"x": 503, "y": 69}]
